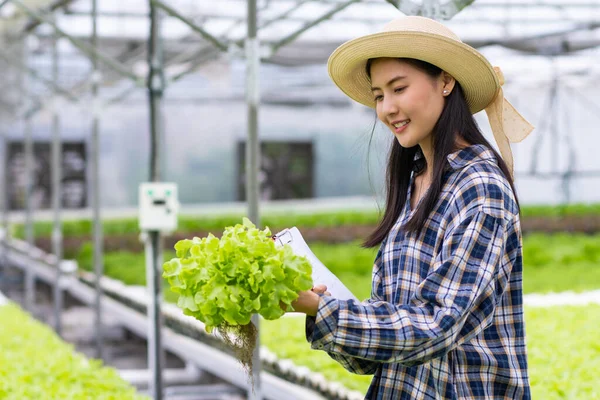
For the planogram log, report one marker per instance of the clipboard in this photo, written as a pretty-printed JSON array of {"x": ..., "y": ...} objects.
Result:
[{"x": 320, "y": 273}]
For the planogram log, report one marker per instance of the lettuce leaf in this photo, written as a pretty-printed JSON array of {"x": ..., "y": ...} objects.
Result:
[{"x": 227, "y": 280}]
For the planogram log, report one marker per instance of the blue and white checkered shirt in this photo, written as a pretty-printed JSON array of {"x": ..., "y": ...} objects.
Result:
[{"x": 445, "y": 317}]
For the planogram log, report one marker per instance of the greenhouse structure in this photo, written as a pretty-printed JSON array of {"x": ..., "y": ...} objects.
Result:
[{"x": 230, "y": 101}]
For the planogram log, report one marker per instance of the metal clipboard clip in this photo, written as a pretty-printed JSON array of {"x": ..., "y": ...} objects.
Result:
[{"x": 284, "y": 237}]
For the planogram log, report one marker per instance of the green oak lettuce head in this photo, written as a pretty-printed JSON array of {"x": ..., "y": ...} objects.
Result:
[{"x": 227, "y": 280}]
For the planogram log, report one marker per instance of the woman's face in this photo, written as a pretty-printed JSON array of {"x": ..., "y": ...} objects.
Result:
[{"x": 408, "y": 101}]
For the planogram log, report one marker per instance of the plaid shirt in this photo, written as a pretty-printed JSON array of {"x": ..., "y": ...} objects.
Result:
[{"x": 445, "y": 317}]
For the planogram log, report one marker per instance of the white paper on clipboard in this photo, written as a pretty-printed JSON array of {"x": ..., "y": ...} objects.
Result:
[{"x": 320, "y": 273}]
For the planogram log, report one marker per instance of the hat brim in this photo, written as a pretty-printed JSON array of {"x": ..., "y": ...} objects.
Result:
[{"x": 347, "y": 64}]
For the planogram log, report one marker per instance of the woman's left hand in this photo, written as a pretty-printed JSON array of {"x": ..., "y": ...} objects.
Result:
[{"x": 308, "y": 301}]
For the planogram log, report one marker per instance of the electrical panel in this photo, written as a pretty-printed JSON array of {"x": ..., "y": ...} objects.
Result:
[{"x": 158, "y": 207}]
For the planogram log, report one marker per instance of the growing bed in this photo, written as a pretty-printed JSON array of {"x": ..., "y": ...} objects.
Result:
[
  {"x": 564, "y": 344},
  {"x": 36, "y": 364}
]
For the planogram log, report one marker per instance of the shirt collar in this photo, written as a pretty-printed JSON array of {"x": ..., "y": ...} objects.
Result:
[{"x": 467, "y": 155}]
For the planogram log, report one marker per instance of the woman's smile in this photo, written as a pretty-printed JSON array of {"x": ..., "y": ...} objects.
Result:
[{"x": 399, "y": 126}]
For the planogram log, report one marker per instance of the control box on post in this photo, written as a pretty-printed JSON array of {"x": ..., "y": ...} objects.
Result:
[{"x": 158, "y": 207}]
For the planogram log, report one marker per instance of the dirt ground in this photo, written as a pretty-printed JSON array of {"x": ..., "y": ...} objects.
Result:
[{"x": 337, "y": 234}]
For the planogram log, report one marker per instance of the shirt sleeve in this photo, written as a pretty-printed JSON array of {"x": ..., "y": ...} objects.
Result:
[
  {"x": 352, "y": 364},
  {"x": 454, "y": 303}
]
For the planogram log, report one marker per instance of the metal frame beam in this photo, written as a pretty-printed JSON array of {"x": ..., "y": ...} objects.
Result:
[
  {"x": 108, "y": 14},
  {"x": 291, "y": 37},
  {"x": 431, "y": 8},
  {"x": 206, "y": 35},
  {"x": 88, "y": 50},
  {"x": 463, "y": 20},
  {"x": 560, "y": 37},
  {"x": 221, "y": 45},
  {"x": 536, "y": 4},
  {"x": 239, "y": 43},
  {"x": 34, "y": 22},
  {"x": 34, "y": 74}
]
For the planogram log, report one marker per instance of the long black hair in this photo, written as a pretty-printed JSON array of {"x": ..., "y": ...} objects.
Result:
[{"x": 456, "y": 121}]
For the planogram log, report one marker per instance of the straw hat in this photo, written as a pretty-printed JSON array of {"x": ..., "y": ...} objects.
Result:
[{"x": 427, "y": 40}]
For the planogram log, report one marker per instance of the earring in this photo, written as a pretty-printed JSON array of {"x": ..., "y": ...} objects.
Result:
[{"x": 446, "y": 91}]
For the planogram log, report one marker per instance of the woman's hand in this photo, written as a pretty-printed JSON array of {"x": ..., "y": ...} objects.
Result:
[
  {"x": 321, "y": 289},
  {"x": 308, "y": 301}
]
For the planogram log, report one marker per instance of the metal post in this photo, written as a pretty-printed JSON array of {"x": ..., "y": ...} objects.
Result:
[
  {"x": 156, "y": 85},
  {"x": 554, "y": 117},
  {"x": 4, "y": 201},
  {"x": 571, "y": 171},
  {"x": 155, "y": 353},
  {"x": 57, "y": 240},
  {"x": 29, "y": 186},
  {"x": 5, "y": 170},
  {"x": 29, "y": 230},
  {"x": 95, "y": 182},
  {"x": 252, "y": 161}
]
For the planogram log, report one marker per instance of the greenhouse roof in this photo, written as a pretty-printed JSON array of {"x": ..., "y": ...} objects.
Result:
[
  {"x": 291, "y": 32},
  {"x": 537, "y": 26}
]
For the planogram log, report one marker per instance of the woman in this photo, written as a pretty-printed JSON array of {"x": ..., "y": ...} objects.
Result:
[{"x": 445, "y": 318}]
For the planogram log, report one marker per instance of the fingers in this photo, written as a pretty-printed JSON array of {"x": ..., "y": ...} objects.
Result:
[
  {"x": 285, "y": 307},
  {"x": 319, "y": 289}
]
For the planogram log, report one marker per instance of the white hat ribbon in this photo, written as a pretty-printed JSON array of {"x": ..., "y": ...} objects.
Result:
[{"x": 506, "y": 122}]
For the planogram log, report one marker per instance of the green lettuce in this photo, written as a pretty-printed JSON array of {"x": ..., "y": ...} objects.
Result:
[{"x": 227, "y": 280}]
